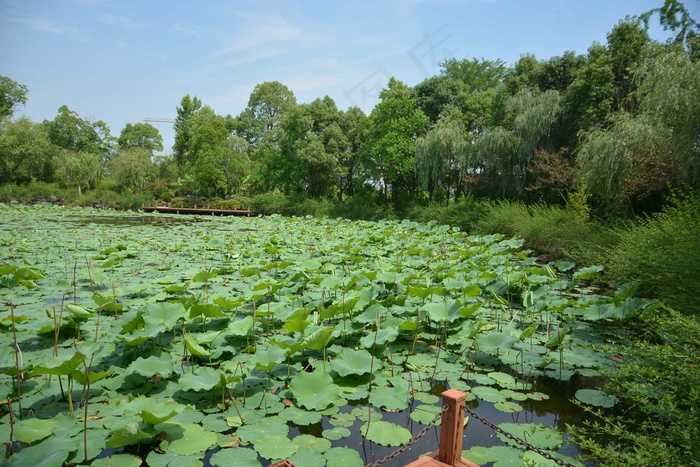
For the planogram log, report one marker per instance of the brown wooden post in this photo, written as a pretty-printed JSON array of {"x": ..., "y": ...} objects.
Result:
[{"x": 452, "y": 428}]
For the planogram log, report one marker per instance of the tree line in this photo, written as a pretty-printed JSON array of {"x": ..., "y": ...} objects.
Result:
[{"x": 618, "y": 124}]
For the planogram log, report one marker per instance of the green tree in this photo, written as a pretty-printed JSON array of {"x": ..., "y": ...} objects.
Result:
[
  {"x": 499, "y": 158},
  {"x": 260, "y": 124},
  {"x": 313, "y": 147},
  {"x": 211, "y": 153},
  {"x": 26, "y": 151},
  {"x": 592, "y": 93},
  {"x": 389, "y": 155},
  {"x": 440, "y": 158},
  {"x": 12, "y": 95},
  {"x": 133, "y": 169},
  {"x": 353, "y": 123},
  {"x": 141, "y": 135},
  {"x": 626, "y": 45},
  {"x": 669, "y": 95},
  {"x": 82, "y": 168},
  {"x": 182, "y": 147}
]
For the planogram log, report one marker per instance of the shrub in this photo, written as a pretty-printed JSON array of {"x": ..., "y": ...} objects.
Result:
[
  {"x": 660, "y": 254},
  {"x": 464, "y": 213},
  {"x": 237, "y": 202},
  {"x": 553, "y": 231},
  {"x": 270, "y": 203},
  {"x": 657, "y": 387}
]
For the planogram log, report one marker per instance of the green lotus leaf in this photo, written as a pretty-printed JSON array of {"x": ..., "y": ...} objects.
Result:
[
  {"x": 495, "y": 341},
  {"x": 193, "y": 346},
  {"x": 308, "y": 458},
  {"x": 596, "y": 398},
  {"x": 79, "y": 311},
  {"x": 153, "y": 365},
  {"x": 314, "y": 391},
  {"x": 266, "y": 359},
  {"x": 297, "y": 320},
  {"x": 30, "y": 430},
  {"x": 117, "y": 460},
  {"x": 587, "y": 273},
  {"x": 540, "y": 436},
  {"x": 343, "y": 456},
  {"x": 488, "y": 394},
  {"x": 319, "y": 339},
  {"x": 206, "y": 309},
  {"x": 508, "y": 407},
  {"x": 425, "y": 413},
  {"x": 383, "y": 336},
  {"x": 64, "y": 364},
  {"x": 240, "y": 327},
  {"x": 163, "y": 313},
  {"x": 385, "y": 433},
  {"x": 499, "y": 455},
  {"x": 263, "y": 429},
  {"x": 235, "y": 457},
  {"x": 153, "y": 412},
  {"x": 352, "y": 362},
  {"x": 300, "y": 417},
  {"x": 275, "y": 447},
  {"x": 203, "y": 378},
  {"x": 193, "y": 440},
  {"x": 128, "y": 434},
  {"x": 447, "y": 310},
  {"x": 312, "y": 443},
  {"x": 390, "y": 399},
  {"x": 336, "y": 433},
  {"x": 170, "y": 459},
  {"x": 52, "y": 452}
]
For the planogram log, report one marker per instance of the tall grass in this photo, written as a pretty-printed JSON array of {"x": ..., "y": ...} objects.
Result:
[
  {"x": 554, "y": 231},
  {"x": 661, "y": 254}
]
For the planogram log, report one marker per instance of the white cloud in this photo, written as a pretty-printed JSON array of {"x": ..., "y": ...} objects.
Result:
[
  {"x": 121, "y": 21},
  {"x": 51, "y": 27}
]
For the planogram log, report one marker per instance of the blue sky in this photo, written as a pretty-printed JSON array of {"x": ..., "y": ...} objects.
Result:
[{"x": 121, "y": 61}]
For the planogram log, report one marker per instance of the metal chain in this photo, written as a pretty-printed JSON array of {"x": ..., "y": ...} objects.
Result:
[
  {"x": 522, "y": 442},
  {"x": 408, "y": 445}
]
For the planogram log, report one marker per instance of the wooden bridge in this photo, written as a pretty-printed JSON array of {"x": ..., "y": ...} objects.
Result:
[{"x": 204, "y": 210}]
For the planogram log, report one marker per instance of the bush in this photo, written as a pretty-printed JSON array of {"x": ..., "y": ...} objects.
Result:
[
  {"x": 658, "y": 422},
  {"x": 269, "y": 203},
  {"x": 364, "y": 205},
  {"x": 661, "y": 255},
  {"x": 235, "y": 203},
  {"x": 464, "y": 213},
  {"x": 553, "y": 231}
]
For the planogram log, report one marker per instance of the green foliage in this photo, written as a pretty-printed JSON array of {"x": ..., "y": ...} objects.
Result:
[
  {"x": 657, "y": 383},
  {"x": 551, "y": 230},
  {"x": 660, "y": 254},
  {"x": 464, "y": 213},
  {"x": 12, "y": 95},
  {"x": 26, "y": 151},
  {"x": 133, "y": 169},
  {"x": 141, "y": 135}
]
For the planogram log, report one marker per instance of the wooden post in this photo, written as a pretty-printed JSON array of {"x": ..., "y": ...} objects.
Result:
[{"x": 452, "y": 428}]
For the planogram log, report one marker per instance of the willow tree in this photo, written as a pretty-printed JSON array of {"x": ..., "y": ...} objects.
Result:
[
  {"x": 500, "y": 156},
  {"x": 669, "y": 94},
  {"x": 606, "y": 156},
  {"x": 440, "y": 157}
]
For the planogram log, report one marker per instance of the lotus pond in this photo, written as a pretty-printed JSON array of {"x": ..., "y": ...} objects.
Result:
[{"x": 242, "y": 341}]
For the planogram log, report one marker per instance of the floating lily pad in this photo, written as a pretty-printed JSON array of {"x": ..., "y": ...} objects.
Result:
[
  {"x": 385, "y": 433},
  {"x": 314, "y": 391},
  {"x": 596, "y": 398}
]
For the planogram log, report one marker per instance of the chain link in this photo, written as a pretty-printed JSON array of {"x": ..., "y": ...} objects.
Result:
[
  {"x": 512, "y": 437},
  {"x": 413, "y": 440}
]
